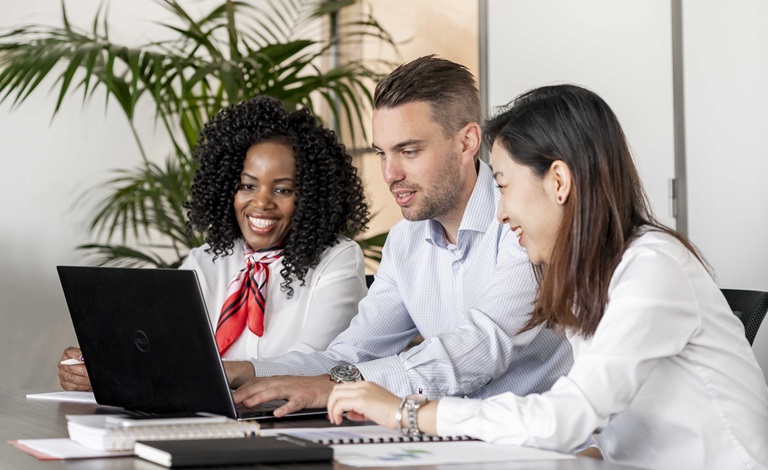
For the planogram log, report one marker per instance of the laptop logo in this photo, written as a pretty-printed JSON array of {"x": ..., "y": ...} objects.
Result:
[{"x": 141, "y": 340}]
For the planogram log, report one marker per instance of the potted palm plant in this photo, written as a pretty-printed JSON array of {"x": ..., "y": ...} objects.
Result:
[{"x": 235, "y": 51}]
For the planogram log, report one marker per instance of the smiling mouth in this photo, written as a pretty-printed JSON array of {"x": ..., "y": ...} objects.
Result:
[{"x": 261, "y": 223}]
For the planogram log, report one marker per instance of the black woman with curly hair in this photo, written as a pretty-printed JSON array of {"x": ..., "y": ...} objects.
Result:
[{"x": 278, "y": 200}]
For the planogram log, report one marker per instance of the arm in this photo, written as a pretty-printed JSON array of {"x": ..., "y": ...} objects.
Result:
[
  {"x": 459, "y": 362},
  {"x": 337, "y": 286},
  {"x": 652, "y": 315},
  {"x": 382, "y": 327}
]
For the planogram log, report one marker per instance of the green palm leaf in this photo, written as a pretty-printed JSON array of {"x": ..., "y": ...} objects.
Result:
[{"x": 235, "y": 51}]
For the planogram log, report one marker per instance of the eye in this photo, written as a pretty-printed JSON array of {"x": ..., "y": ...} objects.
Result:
[
  {"x": 409, "y": 152},
  {"x": 246, "y": 187},
  {"x": 380, "y": 154},
  {"x": 284, "y": 191}
]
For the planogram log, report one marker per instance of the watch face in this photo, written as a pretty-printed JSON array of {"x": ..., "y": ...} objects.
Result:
[{"x": 345, "y": 373}]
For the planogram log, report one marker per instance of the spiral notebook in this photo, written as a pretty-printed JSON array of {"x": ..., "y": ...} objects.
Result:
[
  {"x": 357, "y": 435},
  {"x": 101, "y": 432}
]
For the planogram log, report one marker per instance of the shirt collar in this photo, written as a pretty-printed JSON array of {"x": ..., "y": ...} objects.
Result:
[{"x": 480, "y": 210}]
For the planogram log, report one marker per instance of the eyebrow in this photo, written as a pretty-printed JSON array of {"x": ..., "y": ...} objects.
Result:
[
  {"x": 400, "y": 145},
  {"x": 276, "y": 180}
]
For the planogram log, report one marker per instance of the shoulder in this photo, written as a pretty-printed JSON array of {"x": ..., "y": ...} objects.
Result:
[
  {"x": 404, "y": 233},
  {"x": 203, "y": 257},
  {"x": 344, "y": 249},
  {"x": 656, "y": 260}
]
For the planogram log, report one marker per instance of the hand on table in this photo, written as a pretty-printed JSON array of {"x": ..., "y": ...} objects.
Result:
[
  {"x": 363, "y": 401},
  {"x": 301, "y": 392},
  {"x": 73, "y": 376}
]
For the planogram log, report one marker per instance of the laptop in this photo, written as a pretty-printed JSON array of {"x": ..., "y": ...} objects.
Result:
[{"x": 148, "y": 342}]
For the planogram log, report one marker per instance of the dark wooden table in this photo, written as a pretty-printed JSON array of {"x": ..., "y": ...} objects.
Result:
[{"x": 35, "y": 419}]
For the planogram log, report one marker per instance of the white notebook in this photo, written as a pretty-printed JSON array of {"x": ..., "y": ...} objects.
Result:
[{"x": 105, "y": 432}]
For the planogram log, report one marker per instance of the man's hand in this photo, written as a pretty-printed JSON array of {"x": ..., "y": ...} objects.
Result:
[
  {"x": 238, "y": 372},
  {"x": 301, "y": 392},
  {"x": 74, "y": 376}
]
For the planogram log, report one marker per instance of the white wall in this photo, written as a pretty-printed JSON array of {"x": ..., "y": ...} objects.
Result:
[
  {"x": 620, "y": 50},
  {"x": 46, "y": 164},
  {"x": 726, "y": 105}
]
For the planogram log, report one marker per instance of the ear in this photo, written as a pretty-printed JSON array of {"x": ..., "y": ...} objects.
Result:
[
  {"x": 470, "y": 142},
  {"x": 561, "y": 181}
]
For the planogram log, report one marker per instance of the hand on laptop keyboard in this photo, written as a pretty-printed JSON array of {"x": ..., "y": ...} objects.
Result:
[{"x": 301, "y": 392}]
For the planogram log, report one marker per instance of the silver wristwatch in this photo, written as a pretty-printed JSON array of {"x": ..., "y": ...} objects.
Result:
[
  {"x": 412, "y": 403},
  {"x": 345, "y": 373}
]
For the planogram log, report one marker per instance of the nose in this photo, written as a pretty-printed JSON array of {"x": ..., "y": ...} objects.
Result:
[
  {"x": 392, "y": 170},
  {"x": 262, "y": 198},
  {"x": 501, "y": 214}
]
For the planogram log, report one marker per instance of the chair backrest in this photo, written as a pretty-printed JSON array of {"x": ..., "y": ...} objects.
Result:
[{"x": 750, "y": 306}]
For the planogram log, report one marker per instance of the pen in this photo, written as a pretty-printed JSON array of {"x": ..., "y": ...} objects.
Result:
[{"x": 70, "y": 362}]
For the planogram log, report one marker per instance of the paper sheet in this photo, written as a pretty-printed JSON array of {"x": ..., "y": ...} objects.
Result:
[
  {"x": 77, "y": 397},
  {"x": 61, "y": 448},
  {"x": 437, "y": 453}
]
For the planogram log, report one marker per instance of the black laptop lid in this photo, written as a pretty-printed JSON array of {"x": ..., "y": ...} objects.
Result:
[{"x": 146, "y": 339}]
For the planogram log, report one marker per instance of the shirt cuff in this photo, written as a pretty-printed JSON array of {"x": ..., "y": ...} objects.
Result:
[
  {"x": 388, "y": 372},
  {"x": 263, "y": 368},
  {"x": 454, "y": 417}
]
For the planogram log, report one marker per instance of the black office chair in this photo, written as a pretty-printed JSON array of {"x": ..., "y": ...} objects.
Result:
[
  {"x": 369, "y": 280},
  {"x": 750, "y": 306}
]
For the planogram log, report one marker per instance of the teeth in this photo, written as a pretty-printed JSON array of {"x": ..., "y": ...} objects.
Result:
[
  {"x": 262, "y": 223},
  {"x": 404, "y": 195},
  {"x": 519, "y": 231}
]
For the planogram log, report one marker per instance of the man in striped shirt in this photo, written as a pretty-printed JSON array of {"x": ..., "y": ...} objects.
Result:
[{"x": 450, "y": 271}]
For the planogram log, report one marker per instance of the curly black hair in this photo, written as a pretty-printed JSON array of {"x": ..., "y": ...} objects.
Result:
[{"x": 330, "y": 200}]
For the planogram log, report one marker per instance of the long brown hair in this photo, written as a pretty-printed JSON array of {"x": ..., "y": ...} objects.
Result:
[{"x": 606, "y": 207}]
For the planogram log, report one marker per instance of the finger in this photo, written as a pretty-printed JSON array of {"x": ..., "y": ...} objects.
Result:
[
  {"x": 292, "y": 406},
  {"x": 335, "y": 410},
  {"x": 77, "y": 379},
  {"x": 255, "y": 387},
  {"x": 73, "y": 382},
  {"x": 77, "y": 369},
  {"x": 72, "y": 353},
  {"x": 253, "y": 398},
  {"x": 246, "y": 390},
  {"x": 340, "y": 401},
  {"x": 355, "y": 416}
]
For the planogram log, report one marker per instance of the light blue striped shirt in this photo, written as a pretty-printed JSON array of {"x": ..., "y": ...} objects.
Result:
[{"x": 468, "y": 300}]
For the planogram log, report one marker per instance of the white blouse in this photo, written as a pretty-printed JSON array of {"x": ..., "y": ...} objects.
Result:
[
  {"x": 668, "y": 381},
  {"x": 318, "y": 311}
]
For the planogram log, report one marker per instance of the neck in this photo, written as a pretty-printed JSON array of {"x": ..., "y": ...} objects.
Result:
[{"x": 452, "y": 220}]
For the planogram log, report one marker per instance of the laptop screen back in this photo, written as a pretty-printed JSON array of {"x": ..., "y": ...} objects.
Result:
[{"x": 146, "y": 339}]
